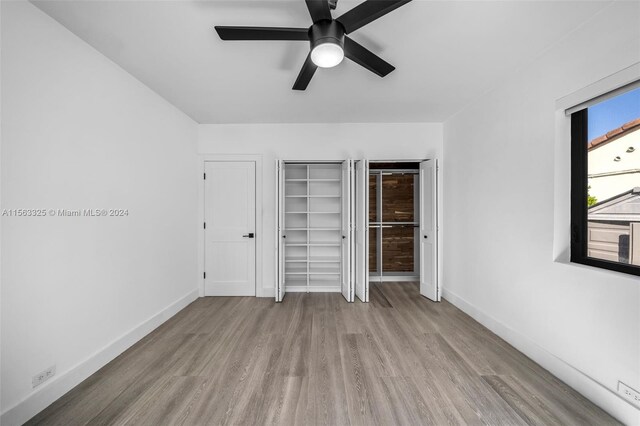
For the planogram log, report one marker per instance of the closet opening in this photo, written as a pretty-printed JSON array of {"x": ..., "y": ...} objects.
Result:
[
  {"x": 314, "y": 227},
  {"x": 394, "y": 221},
  {"x": 396, "y": 226},
  {"x": 343, "y": 224}
]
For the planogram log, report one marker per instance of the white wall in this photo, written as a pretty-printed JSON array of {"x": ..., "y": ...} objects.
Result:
[
  {"x": 312, "y": 142},
  {"x": 581, "y": 323},
  {"x": 79, "y": 132}
]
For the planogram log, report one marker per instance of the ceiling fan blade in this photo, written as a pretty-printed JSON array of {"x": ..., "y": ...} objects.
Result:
[
  {"x": 367, "y": 12},
  {"x": 364, "y": 57},
  {"x": 307, "y": 71},
  {"x": 319, "y": 10},
  {"x": 262, "y": 33}
]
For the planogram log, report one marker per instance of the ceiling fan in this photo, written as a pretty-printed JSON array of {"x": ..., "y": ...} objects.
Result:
[{"x": 329, "y": 43}]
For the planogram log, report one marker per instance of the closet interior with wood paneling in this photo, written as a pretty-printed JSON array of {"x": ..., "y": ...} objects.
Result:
[{"x": 394, "y": 221}]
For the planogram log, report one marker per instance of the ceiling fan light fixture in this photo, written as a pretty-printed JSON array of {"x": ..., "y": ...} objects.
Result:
[
  {"x": 327, "y": 55},
  {"x": 327, "y": 37},
  {"x": 327, "y": 43}
]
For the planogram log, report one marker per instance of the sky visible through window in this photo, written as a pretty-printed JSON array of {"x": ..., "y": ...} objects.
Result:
[{"x": 613, "y": 113}]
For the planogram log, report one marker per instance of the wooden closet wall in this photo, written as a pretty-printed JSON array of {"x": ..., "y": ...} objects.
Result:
[{"x": 396, "y": 202}]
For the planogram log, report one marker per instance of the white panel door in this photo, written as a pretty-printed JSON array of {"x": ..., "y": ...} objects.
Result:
[
  {"x": 362, "y": 230},
  {"x": 429, "y": 277},
  {"x": 230, "y": 244},
  {"x": 280, "y": 235},
  {"x": 347, "y": 284}
]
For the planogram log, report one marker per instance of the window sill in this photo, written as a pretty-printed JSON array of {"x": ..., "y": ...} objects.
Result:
[{"x": 591, "y": 268}]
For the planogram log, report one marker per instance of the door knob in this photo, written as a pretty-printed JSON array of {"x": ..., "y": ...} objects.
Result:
[
  {"x": 249, "y": 235},
  {"x": 425, "y": 236}
]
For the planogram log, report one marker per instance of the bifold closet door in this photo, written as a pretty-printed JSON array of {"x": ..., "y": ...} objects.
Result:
[
  {"x": 347, "y": 283},
  {"x": 280, "y": 235},
  {"x": 362, "y": 230},
  {"x": 429, "y": 277}
]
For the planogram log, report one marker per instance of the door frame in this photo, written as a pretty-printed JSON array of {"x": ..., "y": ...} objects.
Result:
[{"x": 231, "y": 158}]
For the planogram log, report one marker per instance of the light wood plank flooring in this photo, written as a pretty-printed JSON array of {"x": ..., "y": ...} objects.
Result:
[{"x": 315, "y": 359}]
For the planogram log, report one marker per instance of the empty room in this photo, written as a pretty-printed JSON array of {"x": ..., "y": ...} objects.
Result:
[{"x": 319, "y": 212}]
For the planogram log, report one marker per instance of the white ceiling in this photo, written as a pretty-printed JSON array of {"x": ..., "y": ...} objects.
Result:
[{"x": 446, "y": 54}]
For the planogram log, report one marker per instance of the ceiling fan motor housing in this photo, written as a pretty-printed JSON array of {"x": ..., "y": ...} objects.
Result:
[{"x": 326, "y": 32}]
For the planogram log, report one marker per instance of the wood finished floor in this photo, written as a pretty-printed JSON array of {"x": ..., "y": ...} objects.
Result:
[{"x": 315, "y": 359}]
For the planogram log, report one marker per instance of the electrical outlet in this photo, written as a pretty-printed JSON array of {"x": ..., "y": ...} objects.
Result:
[
  {"x": 629, "y": 393},
  {"x": 42, "y": 377}
]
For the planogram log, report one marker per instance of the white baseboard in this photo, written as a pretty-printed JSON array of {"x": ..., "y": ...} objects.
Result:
[
  {"x": 63, "y": 383},
  {"x": 213, "y": 291},
  {"x": 590, "y": 388},
  {"x": 267, "y": 292}
]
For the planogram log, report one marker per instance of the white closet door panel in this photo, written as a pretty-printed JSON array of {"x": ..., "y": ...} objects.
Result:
[
  {"x": 347, "y": 291},
  {"x": 352, "y": 258},
  {"x": 280, "y": 235},
  {"x": 362, "y": 230},
  {"x": 230, "y": 248},
  {"x": 429, "y": 285}
]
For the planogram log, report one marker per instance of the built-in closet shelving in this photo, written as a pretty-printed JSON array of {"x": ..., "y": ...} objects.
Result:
[{"x": 313, "y": 226}]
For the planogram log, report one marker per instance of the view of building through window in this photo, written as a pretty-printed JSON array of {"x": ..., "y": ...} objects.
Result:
[{"x": 614, "y": 179}]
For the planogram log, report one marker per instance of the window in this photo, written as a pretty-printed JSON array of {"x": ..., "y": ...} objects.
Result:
[{"x": 605, "y": 187}]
